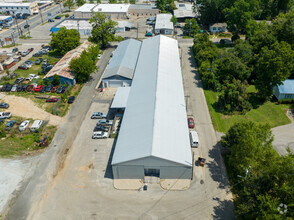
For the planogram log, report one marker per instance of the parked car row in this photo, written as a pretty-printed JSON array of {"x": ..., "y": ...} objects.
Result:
[
  {"x": 24, "y": 125},
  {"x": 34, "y": 87},
  {"x": 102, "y": 126},
  {"x": 43, "y": 51}
]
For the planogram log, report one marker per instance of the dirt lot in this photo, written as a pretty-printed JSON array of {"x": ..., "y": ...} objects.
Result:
[{"x": 26, "y": 108}]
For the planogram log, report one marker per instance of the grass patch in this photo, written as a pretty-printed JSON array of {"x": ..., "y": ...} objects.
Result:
[
  {"x": 187, "y": 37},
  {"x": 11, "y": 45},
  {"x": 269, "y": 112},
  {"x": 17, "y": 143}
]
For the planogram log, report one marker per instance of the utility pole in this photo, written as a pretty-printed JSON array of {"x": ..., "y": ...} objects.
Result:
[
  {"x": 28, "y": 27},
  {"x": 13, "y": 39},
  {"x": 41, "y": 16},
  {"x": 17, "y": 27},
  {"x": 137, "y": 30}
]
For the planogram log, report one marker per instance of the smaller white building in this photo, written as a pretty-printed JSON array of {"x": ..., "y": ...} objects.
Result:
[
  {"x": 218, "y": 27},
  {"x": 163, "y": 24},
  {"x": 22, "y": 8}
]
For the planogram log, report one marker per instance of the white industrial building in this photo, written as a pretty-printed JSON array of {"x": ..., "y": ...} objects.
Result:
[
  {"x": 113, "y": 11},
  {"x": 185, "y": 11},
  {"x": 120, "y": 70},
  {"x": 22, "y": 8},
  {"x": 154, "y": 135},
  {"x": 163, "y": 24}
]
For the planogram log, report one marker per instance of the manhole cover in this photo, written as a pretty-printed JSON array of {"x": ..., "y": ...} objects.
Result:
[
  {"x": 95, "y": 150},
  {"x": 201, "y": 181}
]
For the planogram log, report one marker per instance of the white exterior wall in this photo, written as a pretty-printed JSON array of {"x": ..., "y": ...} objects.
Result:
[
  {"x": 14, "y": 8},
  {"x": 135, "y": 169},
  {"x": 112, "y": 83}
]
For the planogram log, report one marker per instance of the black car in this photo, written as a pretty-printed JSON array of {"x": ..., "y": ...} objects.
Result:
[
  {"x": 4, "y": 105},
  {"x": 26, "y": 26},
  {"x": 38, "y": 54},
  {"x": 24, "y": 88},
  {"x": 50, "y": 20},
  {"x": 48, "y": 88},
  {"x": 61, "y": 89},
  {"x": 42, "y": 90},
  {"x": 19, "y": 80},
  {"x": 8, "y": 88},
  {"x": 101, "y": 128},
  {"x": 57, "y": 17},
  {"x": 3, "y": 89},
  {"x": 71, "y": 99},
  {"x": 39, "y": 61},
  {"x": 19, "y": 88},
  {"x": 46, "y": 69}
]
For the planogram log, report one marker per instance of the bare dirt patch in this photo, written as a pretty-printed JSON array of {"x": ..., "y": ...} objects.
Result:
[{"x": 26, "y": 108}]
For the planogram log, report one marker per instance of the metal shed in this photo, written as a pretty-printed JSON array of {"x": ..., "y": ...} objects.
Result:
[
  {"x": 286, "y": 90},
  {"x": 154, "y": 135},
  {"x": 120, "y": 70},
  {"x": 163, "y": 24}
]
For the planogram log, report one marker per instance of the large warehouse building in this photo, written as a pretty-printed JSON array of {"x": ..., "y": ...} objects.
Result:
[
  {"x": 120, "y": 70},
  {"x": 154, "y": 135}
]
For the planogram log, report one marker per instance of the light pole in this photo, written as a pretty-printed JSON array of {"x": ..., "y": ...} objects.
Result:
[{"x": 13, "y": 38}]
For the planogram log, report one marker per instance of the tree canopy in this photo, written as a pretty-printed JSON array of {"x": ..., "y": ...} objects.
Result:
[
  {"x": 260, "y": 178},
  {"x": 191, "y": 27},
  {"x": 103, "y": 30},
  {"x": 166, "y": 6},
  {"x": 69, "y": 4},
  {"x": 274, "y": 65},
  {"x": 80, "y": 2},
  {"x": 65, "y": 40},
  {"x": 82, "y": 67}
]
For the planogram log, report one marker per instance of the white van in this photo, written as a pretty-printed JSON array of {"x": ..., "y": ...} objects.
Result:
[
  {"x": 194, "y": 139},
  {"x": 36, "y": 125}
]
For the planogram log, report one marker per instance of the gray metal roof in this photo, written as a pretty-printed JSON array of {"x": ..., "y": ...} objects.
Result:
[
  {"x": 287, "y": 87},
  {"x": 124, "y": 59},
  {"x": 163, "y": 22},
  {"x": 121, "y": 97},
  {"x": 155, "y": 119}
]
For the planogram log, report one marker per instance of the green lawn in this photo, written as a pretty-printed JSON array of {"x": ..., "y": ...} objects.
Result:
[{"x": 271, "y": 113}]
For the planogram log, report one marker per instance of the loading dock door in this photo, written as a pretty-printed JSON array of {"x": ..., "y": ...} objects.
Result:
[{"x": 152, "y": 172}]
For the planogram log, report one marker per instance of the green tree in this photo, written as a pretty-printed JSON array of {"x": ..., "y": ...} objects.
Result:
[
  {"x": 249, "y": 144},
  {"x": 103, "y": 30},
  {"x": 65, "y": 40},
  {"x": 113, "y": 1},
  {"x": 283, "y": 27},
  {"x": 244, "y": 51},
  {"x": 231, "y": 67},
  {"x": 238, "y": 16},
  {"x": 274, "y": 65},
  {"x": 233, "y": 97},
  {"x": 56, "y": 80},
  {"x": 93, "y": 52},
  {"x": 80, "y": 2},
  {"x": 126, "y": 1},
  {"x": 46, "y": 82},
  {"x": 166, "y": 6},
  {"x": 211, "y": 11},
  {"x": 91, "y": 1},
  {"x": 82, "y": 67},
  {"x": 174, "y": 20},
  {"x": 191, "y": 27},
  {"x": 98, "y": 1},
  {"x": 132, "y": 1},
  {"x": 69, "y": 4}
]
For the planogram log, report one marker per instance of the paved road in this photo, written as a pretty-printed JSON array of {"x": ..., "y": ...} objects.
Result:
[
  {"x": 51, "y": 161},
  {"x": 33, "y": 21}
]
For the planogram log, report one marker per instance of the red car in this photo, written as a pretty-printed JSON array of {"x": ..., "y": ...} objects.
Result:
[
  {"x": 191, "y": 122},
  {"x": 54, "y": 89},
  {"x": 52, "y": 100},
  {"x": 38, "y": 88},
  {"x": 30, "y": 50}
]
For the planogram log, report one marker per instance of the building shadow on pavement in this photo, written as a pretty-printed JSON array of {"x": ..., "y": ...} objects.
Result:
[
  {"x": 193, "y": 64},
  {"x": 108, "y": 170},
  {"x": 224, "y": 209}
]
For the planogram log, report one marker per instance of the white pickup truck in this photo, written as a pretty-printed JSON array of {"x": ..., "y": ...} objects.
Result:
[{"x": 4, "y": 115}]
